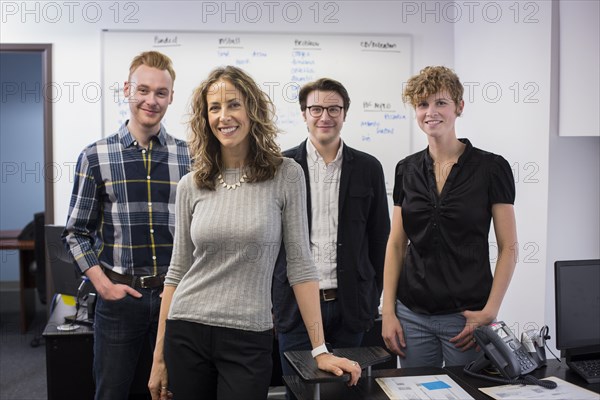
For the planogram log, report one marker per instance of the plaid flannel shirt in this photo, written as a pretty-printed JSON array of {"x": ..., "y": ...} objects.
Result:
[{"x": 122, "y": 209}]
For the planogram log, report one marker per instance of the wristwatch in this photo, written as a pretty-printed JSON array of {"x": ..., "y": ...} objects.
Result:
[{"x": 319, "y": 350}]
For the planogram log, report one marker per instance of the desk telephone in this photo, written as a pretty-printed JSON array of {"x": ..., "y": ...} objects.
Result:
[{"x": 502, "y": 350}]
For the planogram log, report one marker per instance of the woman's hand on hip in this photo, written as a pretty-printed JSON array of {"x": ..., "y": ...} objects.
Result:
[{"x": 473, "y": 319}]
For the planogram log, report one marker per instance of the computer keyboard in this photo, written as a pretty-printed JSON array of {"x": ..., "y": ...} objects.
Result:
[{"x": 588, "y": 369}]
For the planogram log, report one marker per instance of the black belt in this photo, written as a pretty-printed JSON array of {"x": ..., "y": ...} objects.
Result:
[
  {"x": 141, "y": 282},
  {"x": 328, "y": 294}
]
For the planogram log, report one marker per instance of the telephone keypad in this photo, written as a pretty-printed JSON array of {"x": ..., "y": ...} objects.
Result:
[{"x": 525, "y": 361}]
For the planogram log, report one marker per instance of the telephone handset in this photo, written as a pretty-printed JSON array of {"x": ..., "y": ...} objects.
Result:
[{"x": 502, "y": 350}]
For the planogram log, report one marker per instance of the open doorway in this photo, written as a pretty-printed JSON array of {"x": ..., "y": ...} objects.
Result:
[
  {"x": 27, "y": 167},
  {"x": 45, "y": 59}
]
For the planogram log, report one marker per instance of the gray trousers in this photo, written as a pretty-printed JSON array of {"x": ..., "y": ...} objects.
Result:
[{"x": 427, "y": 339}]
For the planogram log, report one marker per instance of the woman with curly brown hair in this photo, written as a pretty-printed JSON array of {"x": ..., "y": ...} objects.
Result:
[
  {"x": 438, "y": 284},
  {"x": 241, "y": 199}
]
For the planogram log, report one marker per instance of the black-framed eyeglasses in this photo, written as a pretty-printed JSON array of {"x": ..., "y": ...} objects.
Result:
[{"x": 317, "y": 111}]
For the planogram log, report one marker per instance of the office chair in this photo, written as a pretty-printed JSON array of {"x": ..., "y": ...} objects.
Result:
[
  {"x": 40, "y": 255},
  {"x": 39, "y": 251}
]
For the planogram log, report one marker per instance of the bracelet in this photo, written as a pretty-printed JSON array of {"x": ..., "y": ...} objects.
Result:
[{"x": 319, "y": 350}]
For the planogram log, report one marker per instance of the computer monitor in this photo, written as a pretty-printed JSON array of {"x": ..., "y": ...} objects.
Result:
[
  {"x": 65, "y": 275},
  {"x": 577, "y": 297}
]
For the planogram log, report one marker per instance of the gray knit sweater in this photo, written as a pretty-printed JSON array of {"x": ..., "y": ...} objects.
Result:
[{"x": 226, "y": 244}]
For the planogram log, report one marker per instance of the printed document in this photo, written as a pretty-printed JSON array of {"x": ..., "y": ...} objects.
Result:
[
  {"x": 564, "y": 391},
  {"x": 426, "y": 387}
]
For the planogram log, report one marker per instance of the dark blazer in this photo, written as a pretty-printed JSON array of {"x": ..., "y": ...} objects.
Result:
[{"x": 363, "y": 230}]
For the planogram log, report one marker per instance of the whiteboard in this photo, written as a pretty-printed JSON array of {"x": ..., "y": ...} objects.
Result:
[{"x": 371, "y": 67}]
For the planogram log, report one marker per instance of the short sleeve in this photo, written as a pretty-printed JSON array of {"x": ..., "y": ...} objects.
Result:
[
  {"x": 502, "y": 187},
  {"x": 398, "y": 194}
]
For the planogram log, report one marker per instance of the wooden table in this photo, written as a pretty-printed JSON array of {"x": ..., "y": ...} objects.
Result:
[{"x": 9, "y": 241}]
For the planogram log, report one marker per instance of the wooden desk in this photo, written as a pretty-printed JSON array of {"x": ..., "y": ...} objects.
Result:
[{"x": 9, "y": 241}]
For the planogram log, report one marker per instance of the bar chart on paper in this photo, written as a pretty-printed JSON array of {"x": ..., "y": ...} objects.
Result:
[{"x": 427, "y": 387}]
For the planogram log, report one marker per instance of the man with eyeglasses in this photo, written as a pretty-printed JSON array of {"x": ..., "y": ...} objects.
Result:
[{"x": 349, "y": 225}]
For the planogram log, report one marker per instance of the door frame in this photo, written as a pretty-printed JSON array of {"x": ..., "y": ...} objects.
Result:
[{"x": 45, "y": 50}]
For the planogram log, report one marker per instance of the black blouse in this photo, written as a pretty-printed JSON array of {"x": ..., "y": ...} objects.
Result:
[{"x": 447, "y": 265}]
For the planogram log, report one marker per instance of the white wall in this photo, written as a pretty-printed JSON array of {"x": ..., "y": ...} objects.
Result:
[
  {"x": 574, "y": 174},
  {"x": 573, "y": 207},
  {"x": 578, "y": 34},
  {"x": 492, "y": 45},
  {"x": 557, "y": 178},
  {"x": 504, "y": 50}
]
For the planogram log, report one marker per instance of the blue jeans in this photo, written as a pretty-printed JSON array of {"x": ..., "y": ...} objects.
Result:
[
  {"x": 335, "y": 335},
  {"x": 427, "y": 339},
  {"x": 121, "y": 329}
]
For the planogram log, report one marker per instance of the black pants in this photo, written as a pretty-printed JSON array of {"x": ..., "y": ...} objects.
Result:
[{"x": 207, "y": 362}]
